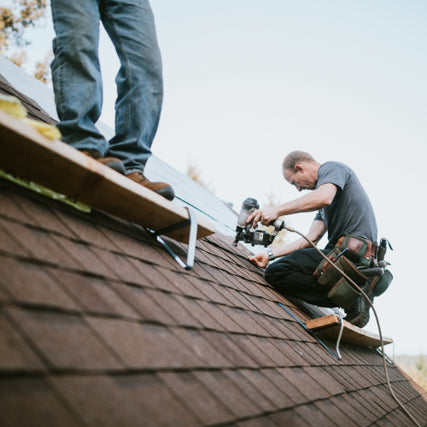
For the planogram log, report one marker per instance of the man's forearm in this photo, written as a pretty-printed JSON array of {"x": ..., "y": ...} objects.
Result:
[{"x": 313, "y": 201}]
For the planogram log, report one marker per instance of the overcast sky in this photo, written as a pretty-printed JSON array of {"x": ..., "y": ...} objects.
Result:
[{"x": 246, "y": 82}]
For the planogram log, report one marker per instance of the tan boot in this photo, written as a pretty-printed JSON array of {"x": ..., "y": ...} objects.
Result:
[
  {"x": 111, "y": 162},
  {"x": 161, "y": 188}
]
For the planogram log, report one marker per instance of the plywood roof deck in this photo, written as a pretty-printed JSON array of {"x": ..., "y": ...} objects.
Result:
[{"x": 330, "y": 326}]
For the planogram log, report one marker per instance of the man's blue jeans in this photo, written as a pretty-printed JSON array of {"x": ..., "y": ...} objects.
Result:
[{"x": 77, "y": 78}]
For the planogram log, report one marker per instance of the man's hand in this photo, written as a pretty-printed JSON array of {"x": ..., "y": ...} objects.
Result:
[
  {"x": 265, "y": 216},
  {"x": 260, "y": 260}
]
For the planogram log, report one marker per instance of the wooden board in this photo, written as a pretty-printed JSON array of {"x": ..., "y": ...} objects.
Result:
[
  {"x": 329, "y": 326},
  {"x": 25, "y": 153}
]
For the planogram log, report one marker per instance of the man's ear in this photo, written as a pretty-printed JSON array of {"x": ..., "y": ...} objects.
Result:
[{"x": 298, "y": 168}]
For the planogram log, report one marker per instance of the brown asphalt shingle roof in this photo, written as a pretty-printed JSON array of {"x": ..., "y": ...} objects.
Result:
[{"x": 100, "y": 326}]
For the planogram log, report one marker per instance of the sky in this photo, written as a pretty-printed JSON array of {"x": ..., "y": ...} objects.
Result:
[{"x": 246, "y": 82}]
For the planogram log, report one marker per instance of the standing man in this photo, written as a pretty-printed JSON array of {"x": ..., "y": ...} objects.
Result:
[
  {"x": 343, "y": 209},
  {"x": 77, "y": 82}
]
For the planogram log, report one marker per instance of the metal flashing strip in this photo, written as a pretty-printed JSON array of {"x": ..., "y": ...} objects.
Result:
[
  {"x": 191, "y": 252},
  {"x": 335, "y": 356}
]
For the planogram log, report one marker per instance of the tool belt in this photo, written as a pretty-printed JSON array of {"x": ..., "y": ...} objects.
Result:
[
  {"x": 349, "y": 253},
  {"x": 381, "y": 283},
  {"x": 358, "y": 249}
]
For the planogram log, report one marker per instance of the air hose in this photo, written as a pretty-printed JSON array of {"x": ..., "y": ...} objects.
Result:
[{"x": 356, "y": 287}]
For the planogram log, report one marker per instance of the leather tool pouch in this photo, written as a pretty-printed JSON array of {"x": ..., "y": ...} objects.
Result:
[
  {"x": 357, "y": 249},
  {"x": 329, "y": 276},
  {"x": 341, "y": 292},
  {"x": 382, "y": 284}
]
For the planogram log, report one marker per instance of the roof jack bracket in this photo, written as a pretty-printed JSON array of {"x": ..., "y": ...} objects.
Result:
[
  {"x": 378, "y": 350},
  {"x": 192, "y": 222},
  {"x": 337, "y": 345},
  {"x": 335, "y": 356}
]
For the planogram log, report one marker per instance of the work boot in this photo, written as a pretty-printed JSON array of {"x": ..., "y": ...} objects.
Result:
[
  {"x": 161, "y": 188},
  {"x": 358, "y": 313},
  {"x": 111, "y": 162}
]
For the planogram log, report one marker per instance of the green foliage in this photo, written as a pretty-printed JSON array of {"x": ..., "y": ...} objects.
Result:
[
  {"x": 42, "y": 68},
  {"x": 14, "y": 21},
  {"x": 415, "y": 367},
  {"x": 195, "y": 174},
  {"x": 421, "y": 365},
  {"x": 418, "y": 372}
]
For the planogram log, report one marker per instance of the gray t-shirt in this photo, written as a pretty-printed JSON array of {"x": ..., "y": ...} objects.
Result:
[{"x": 351, "y": 211}]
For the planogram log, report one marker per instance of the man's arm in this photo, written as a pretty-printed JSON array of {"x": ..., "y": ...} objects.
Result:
[
  {"x": 316, "y": 232},
  {"x": 313, "y": 201}
]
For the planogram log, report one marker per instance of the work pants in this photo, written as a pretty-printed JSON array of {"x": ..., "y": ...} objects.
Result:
[
  {"x": 292, "y": 276},
  {"x": 77, "y": 79}
]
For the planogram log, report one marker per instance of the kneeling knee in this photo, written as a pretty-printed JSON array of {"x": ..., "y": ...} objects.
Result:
[{"x": 271, "y": 273}]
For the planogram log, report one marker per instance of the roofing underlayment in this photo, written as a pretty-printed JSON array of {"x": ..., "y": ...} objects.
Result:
[{"x": 101, "y": 327}]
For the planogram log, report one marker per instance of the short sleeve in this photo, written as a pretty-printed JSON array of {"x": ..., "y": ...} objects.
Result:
[
  {"x": 318, "y": 217},
  {"x": 332, "y": 173}
]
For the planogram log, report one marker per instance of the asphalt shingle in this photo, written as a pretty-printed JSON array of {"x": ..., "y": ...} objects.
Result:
[
  {"x": 65, "y": 341},
  {"x": 103, "y": 328},
  {"x": 32, "y": 401}
]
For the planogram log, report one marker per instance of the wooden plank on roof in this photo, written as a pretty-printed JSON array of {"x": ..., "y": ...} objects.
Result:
[
  {"x": 26, "y": 153},
  {"x": 329, "y": 326}
]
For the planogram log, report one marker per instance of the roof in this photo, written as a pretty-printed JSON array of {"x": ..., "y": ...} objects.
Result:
[{"x": 100, "y": 326}]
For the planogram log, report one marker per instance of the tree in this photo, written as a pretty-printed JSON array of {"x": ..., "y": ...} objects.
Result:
[
  {"x": 42, "y": 69},
  {"x": 194, "y": 173},
  {"x": 418, "y": 372},
  {"x": 14, "y": 22}
]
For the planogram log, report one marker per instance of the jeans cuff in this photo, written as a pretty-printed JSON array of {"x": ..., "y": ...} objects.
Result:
[{"x": 131, "y": 170}]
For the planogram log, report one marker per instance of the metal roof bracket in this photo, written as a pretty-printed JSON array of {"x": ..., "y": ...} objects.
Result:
[
  {"x": 192, "y": 223},
  {"x": 314, "y": 335}
]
